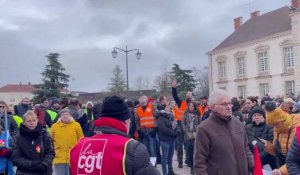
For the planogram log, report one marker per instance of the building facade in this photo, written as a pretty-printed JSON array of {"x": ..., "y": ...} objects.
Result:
[
  {"x": 262, "y": 56},
  {"x": 14, "y": 93}
]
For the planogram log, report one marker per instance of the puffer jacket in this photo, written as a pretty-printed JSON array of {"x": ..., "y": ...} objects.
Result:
[
  {"x": 137, "y": 161},
  {"x": 285, "y": 140},
  {"x": 293, "y": 157},
  {"x": 265, "y": 132},
  {"x": 165, "y": 127},
  {"x": 262, "y": 131},
  {"x": 33, "y": 152},
  {"x": 64, "y": 137}
]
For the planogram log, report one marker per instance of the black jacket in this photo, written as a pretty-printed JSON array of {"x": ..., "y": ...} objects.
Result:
[
  {"x": 21, "y": 109},
  {"x": 12, "y": 125},
  {"x": 293, "y": 158},
  {"x": 33, "y": 152},
  {"x": 165, "y": 130},
  {"x": 262, "y": 131},
  {"x": 137, "y": 157}
]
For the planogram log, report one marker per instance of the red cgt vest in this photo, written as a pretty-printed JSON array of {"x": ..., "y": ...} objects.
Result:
[{"x": 102, "y": 154}]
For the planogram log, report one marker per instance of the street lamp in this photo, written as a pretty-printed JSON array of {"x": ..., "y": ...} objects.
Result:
[{"x": 138, "y": 55}]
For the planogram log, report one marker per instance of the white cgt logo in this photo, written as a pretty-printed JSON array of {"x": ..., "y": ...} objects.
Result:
[
  {"x": 91, "y": 156},
  {"x": 148, "y": 109}
]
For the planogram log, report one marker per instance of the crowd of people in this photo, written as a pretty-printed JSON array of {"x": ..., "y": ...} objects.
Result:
[{"x": 215, "y": 135}]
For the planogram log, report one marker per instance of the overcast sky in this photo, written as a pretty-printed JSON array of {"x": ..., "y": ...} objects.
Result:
[{"x": 85, "y": 31}]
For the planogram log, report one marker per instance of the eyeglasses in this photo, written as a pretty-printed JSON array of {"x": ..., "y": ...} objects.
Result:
[
  {"x": 225, "y": 104},
  {"x": 2, "y": 106}
]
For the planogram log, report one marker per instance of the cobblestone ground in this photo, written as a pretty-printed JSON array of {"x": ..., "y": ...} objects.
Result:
[{"x": 181, "y": 171}]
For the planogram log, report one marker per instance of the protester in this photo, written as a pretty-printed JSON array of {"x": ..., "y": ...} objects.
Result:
[
  {"x": 287, "y": 105},
  {"x": 65, "y": 133},
  {"x": 166, "y": 128},
  {"x": 78, "y": 114},
  {"x": 32, "y": 152},
  {"x": 130, "y": 156},
  {"x": 259, "y": 129},
  {"x": 64, "y": 103},
  {"x": 11, "y": 123},
  {"x": 132, "y": 131},
  {"x": 179, "y": 109},
  {"x": 221, "y": 145},
  {"x": 293, "y": 156},
  {"x": 6, "y": 166},
  {"x": 51, "y": 113},
  {"x": 146, "y": 125},
  {"x": 284, "y": 131},
  {"x": 40, "y": 111},
  {"x": 250, "y": 103},
  {"x": 190, "y": 121},
  {"x": 22, "y": 108},
  {"x": 236, "y": 110},
  {"x": 203, "y": 107}
]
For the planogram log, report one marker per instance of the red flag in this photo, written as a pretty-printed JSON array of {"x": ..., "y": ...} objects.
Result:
[{"x": 257, "y": 163}]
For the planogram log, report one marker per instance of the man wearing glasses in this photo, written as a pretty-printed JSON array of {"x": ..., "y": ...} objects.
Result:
[{"x": 221, "y": 145}]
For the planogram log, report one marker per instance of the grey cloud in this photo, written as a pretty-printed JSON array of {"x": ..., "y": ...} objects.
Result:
[{"x": 84, "y": 32}]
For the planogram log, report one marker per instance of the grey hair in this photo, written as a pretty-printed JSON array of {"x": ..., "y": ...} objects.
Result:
[
  {"x": 143, "y": 97},
  {"x": 29, "y": 113},
  {"x": 64, "y": 111},
  {"x": 215, "y": 96}
]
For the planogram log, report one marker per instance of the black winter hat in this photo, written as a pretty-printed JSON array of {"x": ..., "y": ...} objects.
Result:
[
  {"x": 115, "y": 107},
  {"x": 258, "y": 110}
]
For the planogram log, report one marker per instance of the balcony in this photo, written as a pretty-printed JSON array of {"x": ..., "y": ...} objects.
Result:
[
  {"x": 263, "y": 73},
  {"x": 289, "y": 70}
]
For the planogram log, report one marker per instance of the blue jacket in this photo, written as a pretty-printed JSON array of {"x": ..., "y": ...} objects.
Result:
[{"x": 5, "y": 163}]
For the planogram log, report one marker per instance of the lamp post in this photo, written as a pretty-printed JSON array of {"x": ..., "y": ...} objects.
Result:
[{"x": 138, "y": 56}]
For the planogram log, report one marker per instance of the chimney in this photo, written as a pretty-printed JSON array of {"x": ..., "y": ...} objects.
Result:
[
  {"x": 295, "y": 3},
  {"x": 254, "y": 14},
  {"x": 237, "y": 23},
  {"x": 20, "y": 83},
  {"x": 29, "y": 83}
]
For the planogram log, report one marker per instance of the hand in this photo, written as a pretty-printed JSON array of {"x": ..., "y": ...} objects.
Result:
[
  {"x": 174, "y": 83},
  {"x": 265, "y": 142},
  {"x": 276, "y": 172}
]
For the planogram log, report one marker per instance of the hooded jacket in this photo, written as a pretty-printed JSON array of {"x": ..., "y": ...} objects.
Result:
[{"x": 64, "y": 136}]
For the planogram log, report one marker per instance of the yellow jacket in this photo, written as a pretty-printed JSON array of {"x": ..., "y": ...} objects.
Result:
[
  {"x": 64, "y": 136},
  {"x": 284, "y": 141}
]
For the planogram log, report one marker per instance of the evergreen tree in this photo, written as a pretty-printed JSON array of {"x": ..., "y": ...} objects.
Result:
[
  {"x": 54, "y": 79},
  {"x": 185, "y": 80},
  {"x": 117, "y": 84}
]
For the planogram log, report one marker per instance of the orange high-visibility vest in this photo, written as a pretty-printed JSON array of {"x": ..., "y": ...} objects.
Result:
[
  {"x": 202, "y": 109},
  {"x": 179, "y": 112},
  {"x": 146, "y": 117}
]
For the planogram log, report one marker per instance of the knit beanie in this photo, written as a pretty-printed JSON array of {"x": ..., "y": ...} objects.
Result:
[
  {"x": 115, "y": 107},
  {"x": 54, "y": 101},
  {"x": 276, "y": 115},
  {"x": 258, "y": 110}
]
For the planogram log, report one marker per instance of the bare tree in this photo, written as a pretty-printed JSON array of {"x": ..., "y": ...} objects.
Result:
[
  {"x": 162, "y": 82},
  {"x": 142, "y": 83},
  {"x": 201, "y": 77}
]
